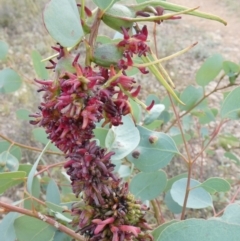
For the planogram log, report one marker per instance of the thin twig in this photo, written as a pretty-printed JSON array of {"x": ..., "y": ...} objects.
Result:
[{"x": 29, "y": 147}]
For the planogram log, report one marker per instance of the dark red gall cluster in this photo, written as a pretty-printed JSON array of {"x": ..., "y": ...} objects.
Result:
[{"x": 72, "y": 105}]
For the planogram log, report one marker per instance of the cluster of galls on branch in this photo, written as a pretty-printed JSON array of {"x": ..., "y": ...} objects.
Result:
[{"x": 73, "y": 103}]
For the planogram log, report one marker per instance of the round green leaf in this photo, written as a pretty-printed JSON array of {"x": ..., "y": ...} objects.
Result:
[
  {"x": 8, "y": 162},
  {"x": 59, "y": 236},
  {"x": 103, "y": 39},
  {"x": 233, "y": 157},
  {"x": 32, "y": 229},
  {"x": 62, "y": 20},
  {"x": 14, "y": 150},
  {"x": 154, "y": 151},
  {"x": 6, "y": 227},
  {"x": 190, "y": 96},
  {"x": 40, "y": 135},
  {"x": 154, "y": 113},
  {"x": 171, "y": 204},
  {"x": 209, "y": 69},
  {"x": 38, "y": 65},
  {"x": 3, "y": 50},
  {"x": 231, "y": 70},
  {"x": 53, "y": 194},
  {"x": 10, "y": 81},
  {"x": 123, "y": 138},
  {"x": 124, "y": 171},
  {"x": 231, "y": 105},
  {"x": 197, "y": 198},
  {"x": 100, "y": 134},
  {"x": 231, "y": 214},
  {"x": 174, "y": 179},
  {"x": 10, "y": 179},
  {"x": 148, "y": 186},
  {"x": 156, "y": 232},
  {"x": 216, "y": 184},
  {"x": 23, "y": 114},
  {"x": 200, "y": 230}
]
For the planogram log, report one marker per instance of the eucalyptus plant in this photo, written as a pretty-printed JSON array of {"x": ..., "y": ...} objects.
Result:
[{"x": 117, "y": 148}]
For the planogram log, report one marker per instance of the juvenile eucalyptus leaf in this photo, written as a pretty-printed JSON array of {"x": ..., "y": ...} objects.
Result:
[
  {"x": 10, "y": 179},
  {"x": 233, "y": 157},
  {"x": 231, "y": 214},
  {"x": 174, "y": 179},
  {"x": 122, "y": 139},
  {"x": 10, "y": 81},
  {"x": 173, "y": 206},
  {"x": 62, "y": 20},
  {"x": 154, "y": 113},
  {"x": 58, "y": 209},
  {"x": 157, "y": 231},
  {"x": 216, "y": 184},
  {"x": 148, "y": 186},
  {"x": 40, "y": 135},
  {"x": 8, "y": 162},
  {"x": 155, "y": 150},
  {"x": 198, "y": 198},
  {"x": 190, "y": 96},
  {"x": 124, "y": 171},
  {"x": 32, "y": 229},
  {"x": 53, "y": 194},
  {"x": 14, "y": 150},
  {"x": 209, "y": 70},
  {"x": 199, "y": 230},
  {"x": 100, "y": 134},
  {"x": 60, "y": 236},
  {"x": 6, "y": 227},
  {"x": 231, "y": 105},
  {"x": 3, "y": 50},
  {"x": 231, "y": 70},
  {"x": 38, "y": 65},
  {"x": 23, "y": 114}
]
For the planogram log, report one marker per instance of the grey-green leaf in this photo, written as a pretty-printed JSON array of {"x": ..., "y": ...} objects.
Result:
[
  {"x": 8, "y": 162},
  {"x": 154, "y": 151},
  {"x": 209, "y": 70},
  {"x": 53, "y": 194},
  {"x": 148, "y": 186},
  {"x": 231, "y": 105},
  {"x": 10, "y": 81},
  {"x": 10, "y": 179},
  {"x": 14, "y": 150},
  {"x": 198, "y": 198},
  {"x": 190, "y": 96},
  {"x": 157, "y": 231},
  {"x": 200, "y": 230},
  {"x": 38, "y": 65},
  {"x": 216, "y": 184},
  {"x": 231, "y": 214},
  {"x": 154, "y": 113},
  {"x": 32, "y": 229},
  {"x": 62, "y": 20},
  {"x": 6, "y": 227},
  {"x": 122, "y": 139},
  {"x": 173, "y": 206}
]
